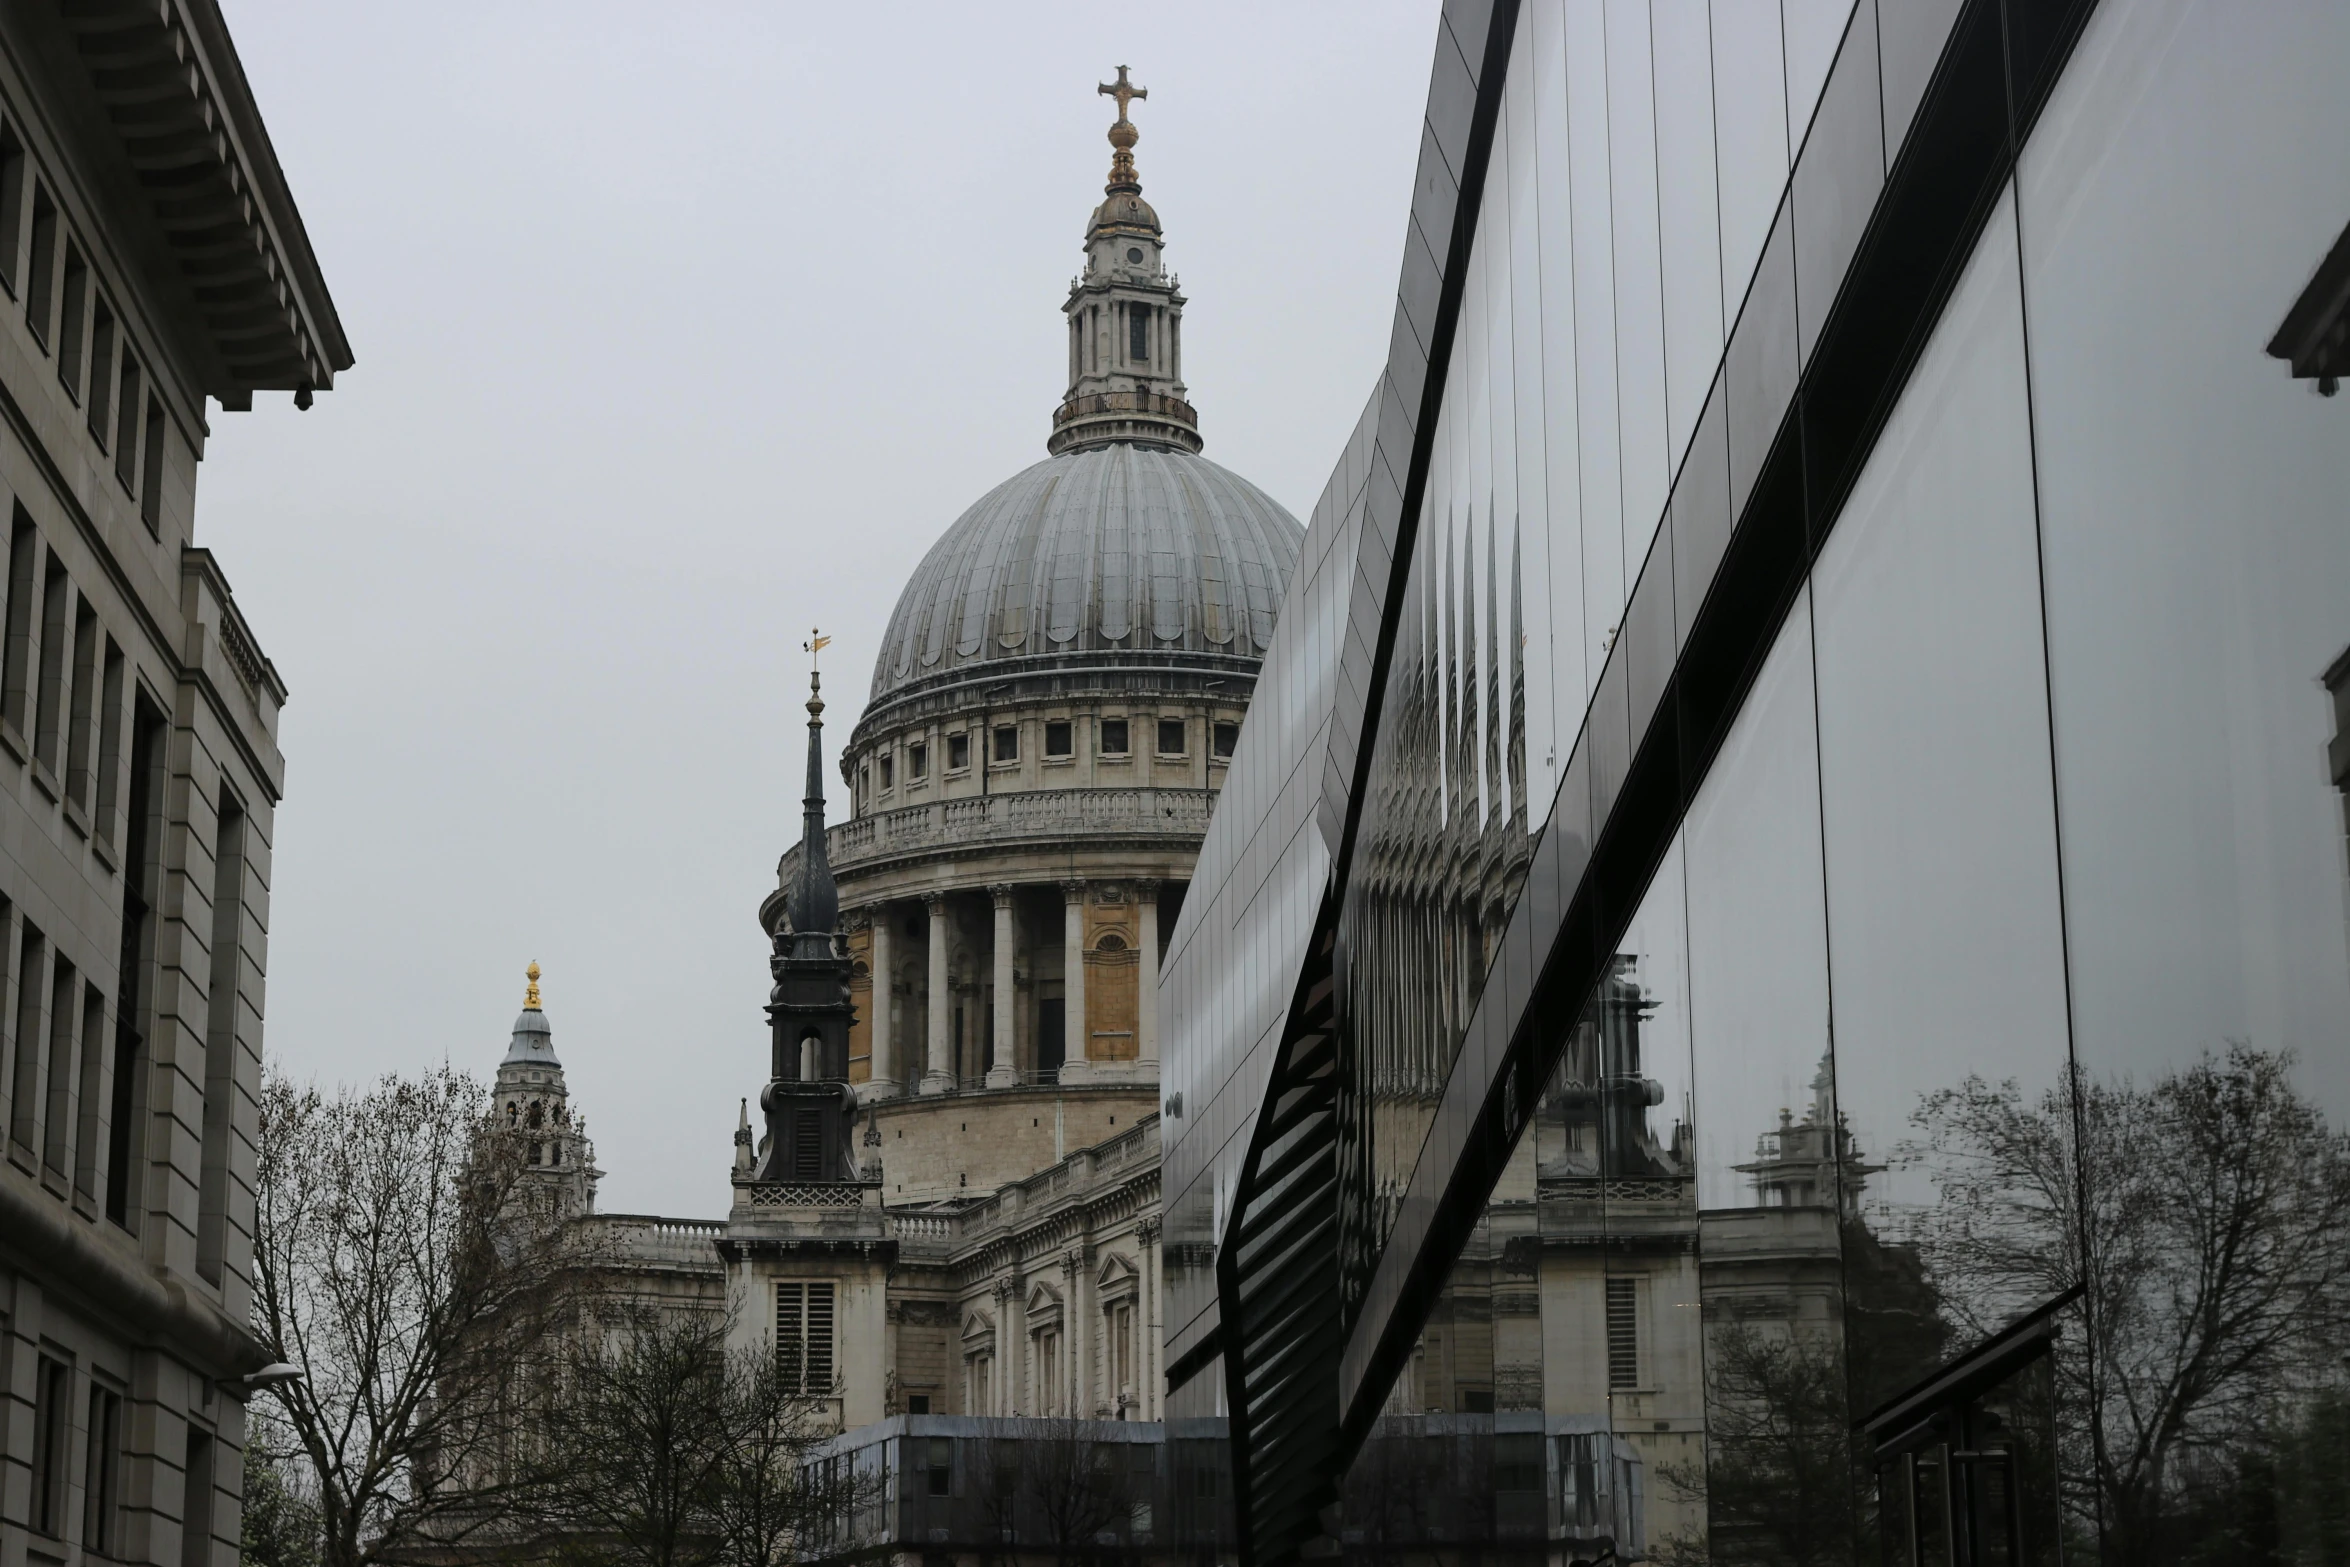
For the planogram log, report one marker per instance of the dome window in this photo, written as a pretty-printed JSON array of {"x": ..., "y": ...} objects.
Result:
[
  {"x": 958, "y": 752},
  {"x": 1171, "y": 737},
  {"x": 1057, "y": 740},
  {"x": 917, "y": 761},
  {"x": 1114, "y": 741},
  {"x": 1007, "y": 743},
  {"x": 1227, "y": 740},
  {"x": 889, "y": 772}
]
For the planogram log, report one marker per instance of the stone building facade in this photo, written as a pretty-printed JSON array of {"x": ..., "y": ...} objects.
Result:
[{"x": 151, "y": 261}]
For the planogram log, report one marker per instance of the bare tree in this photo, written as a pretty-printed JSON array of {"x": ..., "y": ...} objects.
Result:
[
  {"x": 2207, "y": 1214},
  {"x": 406, "y": 1259},
  {"x": 669, "y": 1450},
  {"x": 280, "y": 1524}
]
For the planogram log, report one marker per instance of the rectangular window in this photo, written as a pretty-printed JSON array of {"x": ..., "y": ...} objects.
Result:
[
  {"x": 12, "y": 182},
  {"x": 1122, "y": 1348},
  {"x": 142, "y": 878},
  {"x": 803, "y": 1336},
  {"x": 57, "y": 1147},
  {"x": 32, "y": 977},
  {"x": 100, "y": 411},
  {"x": 102, "y": 1472},
  {"x": 1007, "y": 744},
  {"x": 49, "y": 699},
  {"x": 1623, "y": 1333},
  {"x": 92, "y": 1062},
  {"x": 938, "y": 1462},
  {"x": 196, "y": 1525},
  {"x": 889, "y": 774},
  {"x": 224, "y": 1017},
  {"x": 52, "y": 1384},
  {"x": 917, "y": 1403},
  {"x": 1114, "y": 742},
  {"x": 1057, "y": 741},
  {"x": 16, "y": 662},
  {"x": 1171, "y": 737},
  {"x": 126, "y": 425},
  {"x": 1138, "y": 332},
  {"x": 151, "y": 478},
  {"x": 917, "y": 761},
  {"x": 958, "y": 752},
  {"x": 40, "y": 293},
  {"x": 1227, "y": 740},
  {"x": 82, "y": 709},
  {"x": 69, "y": 329},
  {"x": 1517, "y": 1461},
  {"x": 109, "y": 790},
  {"x": 1580, "y": 1473}
]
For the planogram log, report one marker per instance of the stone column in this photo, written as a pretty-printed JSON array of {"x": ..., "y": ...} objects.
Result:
[
  {"x": 1011, "y": 1347},
  {"x": 1078, "y": 1331},
  {"x": 888, "y": 1078},
  {"x": 1148, "y": 1389},
  {"x": 1001, "y": 1073},
  {"x": 1074, "y": 1035},
  {"x": 939, "y": 1077},
  {"x": 1146, "y": 981}
]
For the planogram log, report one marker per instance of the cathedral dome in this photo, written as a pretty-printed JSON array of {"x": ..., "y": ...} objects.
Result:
[{"x": 1119, "y": 554}]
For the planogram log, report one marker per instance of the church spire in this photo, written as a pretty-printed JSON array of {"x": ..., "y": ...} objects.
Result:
[
  {"x": 814, "y": 908},
  {"x": 1125, "y": 314}
]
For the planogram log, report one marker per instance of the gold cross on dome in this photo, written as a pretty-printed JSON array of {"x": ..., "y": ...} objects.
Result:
[{"x": 1122, "y": 90}]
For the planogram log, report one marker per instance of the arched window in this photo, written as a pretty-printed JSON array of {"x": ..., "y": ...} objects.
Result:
[
  {"x": 537, "y": 1115},
  {"x": 513, "y": 1113}
]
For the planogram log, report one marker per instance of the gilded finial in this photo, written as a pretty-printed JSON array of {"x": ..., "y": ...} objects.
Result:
[
  {"x": 1123, "y": 135},
  {"x": 817, "y": 642},
  {"x": 530, "y": 995}
]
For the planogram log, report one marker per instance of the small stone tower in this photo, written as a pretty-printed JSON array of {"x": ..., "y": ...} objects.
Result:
[
  {"x": 807, "y": 1100},
  {"x": 535, "y": 1105}
]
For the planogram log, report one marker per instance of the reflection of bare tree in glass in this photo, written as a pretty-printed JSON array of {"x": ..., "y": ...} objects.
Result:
[
  {"x": 1778, "y": 1482},
  {"x": 1056, "y": 1487},
  {"x": 1389, "y": 1489},
  {"x": 2211, "y": 1228}
]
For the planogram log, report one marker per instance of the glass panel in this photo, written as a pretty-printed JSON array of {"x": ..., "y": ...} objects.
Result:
[
  {"x": 1606, "y": 581},
  {"x": 1943, "y": 926},
  {"x": 1837, "y": 175},
  {"x": 1643, "y": 433},
  {"x": 2177, "y": 193},
  {"x": 1762, "y": 365},
  {"x": 1750, "y": 136},
  {"x": 1813, "y": 30},
  {"x": 1911, "y": 33},
  {"x": 1688, "y": 213}
]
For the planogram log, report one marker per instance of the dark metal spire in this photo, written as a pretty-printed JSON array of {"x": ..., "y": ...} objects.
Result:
[{"x": 814, "y": 909}]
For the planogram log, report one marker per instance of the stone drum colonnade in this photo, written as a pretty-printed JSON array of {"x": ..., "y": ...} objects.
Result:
[{"x": 1106, "y": 924}]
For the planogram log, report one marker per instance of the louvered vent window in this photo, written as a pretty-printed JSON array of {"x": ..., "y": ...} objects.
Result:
[
  {"x": 807, "y": 1145},
  {"x": 1623, "y": 1333},
  {"x": 803, "y": 1336}
]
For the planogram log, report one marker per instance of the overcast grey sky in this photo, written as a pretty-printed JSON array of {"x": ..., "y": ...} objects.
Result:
[{"x": 680, "y": 329}]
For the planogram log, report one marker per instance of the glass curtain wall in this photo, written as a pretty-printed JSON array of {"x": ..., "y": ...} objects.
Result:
[{"x": 1989, "y": 1014}]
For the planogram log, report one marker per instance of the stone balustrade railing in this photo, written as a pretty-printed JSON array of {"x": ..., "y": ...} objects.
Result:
[{"x": 1044, "y": 815}]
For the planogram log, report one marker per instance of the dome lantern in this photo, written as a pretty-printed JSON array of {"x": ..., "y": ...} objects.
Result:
[{"x": 1125, "y": 316}]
